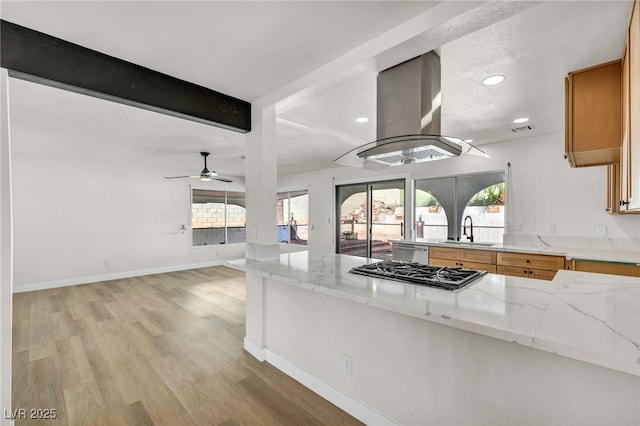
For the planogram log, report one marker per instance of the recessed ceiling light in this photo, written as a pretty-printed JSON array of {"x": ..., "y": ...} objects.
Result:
[
  {"x": 468, "y": 140},
  {"x": 521, "y": 120},
  {"x": 493, "y": 80},
  {"x": 362, "y": 119}
]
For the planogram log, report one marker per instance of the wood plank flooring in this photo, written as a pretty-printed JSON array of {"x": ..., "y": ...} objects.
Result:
[{"x": 162, "y": 349}]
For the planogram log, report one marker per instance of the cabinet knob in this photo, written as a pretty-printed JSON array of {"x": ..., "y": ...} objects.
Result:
[
  {"x": 623, "y": 203},
  {"x": 528, "y": 261}
]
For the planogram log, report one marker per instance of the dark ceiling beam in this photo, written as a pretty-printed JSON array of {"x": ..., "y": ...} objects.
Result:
[{"x": 35, "y": 56}]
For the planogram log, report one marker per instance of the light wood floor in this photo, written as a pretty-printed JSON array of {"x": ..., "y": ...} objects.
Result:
[{"x": 162, "y": 349}]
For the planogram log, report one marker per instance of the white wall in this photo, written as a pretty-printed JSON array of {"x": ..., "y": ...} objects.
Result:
[
  {"x": 6, "y": 254},
  {"x": 544, "y": 190},
  {"x": 77, "y": 213}
]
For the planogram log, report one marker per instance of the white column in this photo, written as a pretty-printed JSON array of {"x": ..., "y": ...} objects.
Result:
[
  {"x": 6, "y": 251},
  {"x": 261, "y": 189},
  {"x": 261, "y": 180}
]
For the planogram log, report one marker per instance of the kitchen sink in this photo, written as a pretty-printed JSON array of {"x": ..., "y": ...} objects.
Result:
[{"x": 467, "y": 243}]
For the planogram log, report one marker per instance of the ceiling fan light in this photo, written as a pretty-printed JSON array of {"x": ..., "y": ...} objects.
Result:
[{"x": 205, "y": 178}]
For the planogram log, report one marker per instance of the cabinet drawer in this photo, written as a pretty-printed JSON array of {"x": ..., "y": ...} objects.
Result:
[
  {"x": 479, "y": 266},
  {"x": 533, "y": 261},
  {"x": 478, "y": 256},
  {"x": 539, "y": 274},
  {"x": 444, "y": 252},
  {"x": 514, "y": 271},
  {"x": 450, "y": 263}
]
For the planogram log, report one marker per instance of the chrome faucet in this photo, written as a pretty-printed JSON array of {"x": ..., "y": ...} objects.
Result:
[{"x": 464, "y": 228}]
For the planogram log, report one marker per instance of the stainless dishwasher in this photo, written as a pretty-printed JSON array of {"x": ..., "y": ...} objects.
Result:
[{"x": 411, "y": 253}]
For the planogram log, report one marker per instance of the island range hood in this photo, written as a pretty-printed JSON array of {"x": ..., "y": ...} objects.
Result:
[{"x": 408, "y": 125}]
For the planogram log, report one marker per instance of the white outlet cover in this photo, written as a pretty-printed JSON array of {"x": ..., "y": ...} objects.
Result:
[
  {"x": 601, "y": 230},
  {"x": 347, "y": 364},
  {"x": 551, "y": 229}
]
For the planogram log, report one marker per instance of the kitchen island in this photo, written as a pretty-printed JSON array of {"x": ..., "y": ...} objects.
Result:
[{"x": 503, "y": 350}]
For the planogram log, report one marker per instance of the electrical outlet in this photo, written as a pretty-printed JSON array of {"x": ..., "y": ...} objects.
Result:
[
  {"x": 107, "y": 264},
  {"x": 601, "y": 230},
  {"x": 347, "y": 364},
  {"x": 516, "y": 227},
  {"x": 551, "y": 228}
]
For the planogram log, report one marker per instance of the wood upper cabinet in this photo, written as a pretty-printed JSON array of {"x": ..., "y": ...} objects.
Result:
[
  {"x": 484, "y": 260},
  {"x": 540, "y": 266},
  {"x": 630, "y": 150},
  {"x": 613, "y": 188},
  {"x": 593, "y": 115}
]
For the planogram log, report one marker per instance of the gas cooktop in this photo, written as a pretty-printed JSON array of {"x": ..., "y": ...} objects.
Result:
[{"x": 418, "y": 273}]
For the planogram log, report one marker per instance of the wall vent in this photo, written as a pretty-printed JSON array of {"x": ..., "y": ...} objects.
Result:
[{"x": 522, "y": 128}]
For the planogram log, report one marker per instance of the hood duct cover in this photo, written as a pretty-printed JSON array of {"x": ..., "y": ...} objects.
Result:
[{"x": 408, "y": 125}]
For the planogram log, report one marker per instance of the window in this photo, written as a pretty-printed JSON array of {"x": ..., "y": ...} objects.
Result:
[
  {"x": 293, "y": 217},
  {"x": 218, "y": 217},
  {"x": 443, "y": 203},
  {"x": 431, "y": 218},
  {"x": 486, "y": 210}
]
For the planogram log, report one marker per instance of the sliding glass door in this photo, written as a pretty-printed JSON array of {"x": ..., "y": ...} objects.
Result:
[{"x": 371, "y": 215}]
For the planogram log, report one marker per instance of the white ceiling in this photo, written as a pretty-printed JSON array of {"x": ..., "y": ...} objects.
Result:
[{"x": 318, "y": 60}]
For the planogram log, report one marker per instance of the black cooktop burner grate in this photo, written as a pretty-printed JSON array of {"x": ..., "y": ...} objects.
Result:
[{"x": 418, "y": 273}]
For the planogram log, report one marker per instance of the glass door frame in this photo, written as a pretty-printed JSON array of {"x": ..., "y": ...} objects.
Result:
[{"x": 407, "y": 185}]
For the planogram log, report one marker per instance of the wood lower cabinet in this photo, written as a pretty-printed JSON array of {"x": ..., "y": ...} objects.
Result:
[
  {"x": 483, "y": 260},
  {"x": 539, "y": 266},
  {"x": 613, "y": 268}
]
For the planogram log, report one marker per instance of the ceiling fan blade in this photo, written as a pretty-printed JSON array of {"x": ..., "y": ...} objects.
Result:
[
  {"x": 205, "y": 174},
  {"x": 221, "y": 179}
]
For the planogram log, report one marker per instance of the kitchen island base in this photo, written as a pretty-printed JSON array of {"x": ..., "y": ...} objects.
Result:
[{"x": 406, "y": 370}]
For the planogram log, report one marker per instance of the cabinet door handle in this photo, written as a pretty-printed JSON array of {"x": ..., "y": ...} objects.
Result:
[{"x": 623, "y": 203}]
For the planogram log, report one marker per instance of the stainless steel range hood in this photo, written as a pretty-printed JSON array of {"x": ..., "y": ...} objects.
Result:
[{"x": 408, "y": 125}]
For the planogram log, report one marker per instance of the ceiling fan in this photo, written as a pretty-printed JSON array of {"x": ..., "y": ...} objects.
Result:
[{"x": 205, "y": 175}]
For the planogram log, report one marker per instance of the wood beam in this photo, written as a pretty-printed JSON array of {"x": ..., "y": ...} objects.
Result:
[{"x": 39, "y": 57}]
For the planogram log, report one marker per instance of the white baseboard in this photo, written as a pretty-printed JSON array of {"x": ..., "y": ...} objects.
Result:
[
  {"x": 114, "y": 276},
  {"x": 331, "y": 394},
  {"x": 253, "y": 349}
]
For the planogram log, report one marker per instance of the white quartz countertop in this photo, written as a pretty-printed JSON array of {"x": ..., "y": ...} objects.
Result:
[
  {"x": 602, "y": 255},
  {"x": 590, "y": 317}
]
